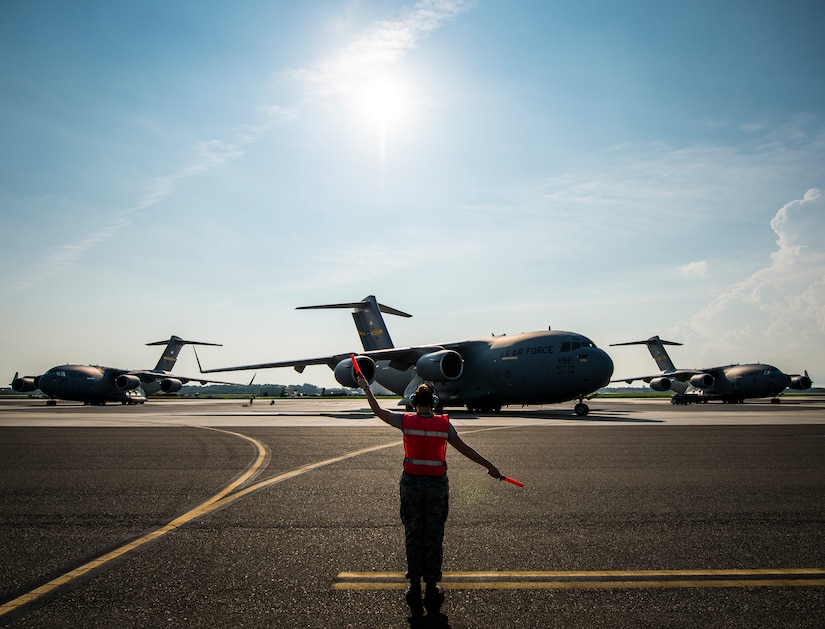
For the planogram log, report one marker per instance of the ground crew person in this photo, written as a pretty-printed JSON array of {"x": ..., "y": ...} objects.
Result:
[{"x": 425, "y": 490}]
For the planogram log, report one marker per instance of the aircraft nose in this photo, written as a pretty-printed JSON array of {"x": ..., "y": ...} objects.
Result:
[{"x": 602, "y": 367}]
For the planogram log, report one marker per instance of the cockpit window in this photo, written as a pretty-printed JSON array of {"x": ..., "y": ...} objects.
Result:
[{"x": 578, "y": 343}]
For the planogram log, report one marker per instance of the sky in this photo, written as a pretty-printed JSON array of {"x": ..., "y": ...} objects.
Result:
[{"x": 202, "y": 168}]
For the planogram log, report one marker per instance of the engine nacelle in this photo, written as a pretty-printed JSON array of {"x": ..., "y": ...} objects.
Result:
[
  {"x": 702, "y": 380},
  {"x": 440, "y": 366},
  {"x": 25, "y": 384},
  {"x": 799, "y": 383},
  {"x": 125, "y": 382},
  {"x": 661, "y": 384},
  {"x": 170, "y": 385},
  {"x": 345, "y": 371}
]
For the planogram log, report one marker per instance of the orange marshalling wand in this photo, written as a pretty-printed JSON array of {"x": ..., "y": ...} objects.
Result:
[
  {"x": 515, "y": 482},
  {"x": 355, "y": 364}
]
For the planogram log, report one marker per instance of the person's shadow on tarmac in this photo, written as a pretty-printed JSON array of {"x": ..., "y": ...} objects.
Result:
[{"x": 430, "y": 621}]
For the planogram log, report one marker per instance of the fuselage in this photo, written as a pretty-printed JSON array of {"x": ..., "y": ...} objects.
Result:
[
  {"x": 543, "y": 367},
  {"x": 90, "y": 384},
  {"x": 735, "y": 383}
]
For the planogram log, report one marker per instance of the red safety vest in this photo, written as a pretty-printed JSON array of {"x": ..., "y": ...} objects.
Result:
[{"x": 425, "y": 444}]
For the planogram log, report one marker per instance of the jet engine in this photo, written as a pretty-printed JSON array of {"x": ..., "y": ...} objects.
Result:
[
  {"x": 440, "y": 366},
  {"x": 660, "y": 384},
  {"x": 170, "y": 385},
  {"x": 702, "y": 380},
  {"x": 27, "y": 384},
  {"x": 126, "y": 381},
  {"x": 345, "y": 371},
  {"x": 797, "y": 382}
]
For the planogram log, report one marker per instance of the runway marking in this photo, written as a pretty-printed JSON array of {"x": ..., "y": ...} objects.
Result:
[
  {"x": 210, "y": 504},
  {"x": 593, "y": 579},
  {"x": 219, "y": 500}
]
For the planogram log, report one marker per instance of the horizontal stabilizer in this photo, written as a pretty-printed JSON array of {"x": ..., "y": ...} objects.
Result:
[
  {"x": 358, "y": 305},
  {"x": 652, "y": 339},
  {"x": 656, "y": 347},
  {"x": 182, "y": 342}
]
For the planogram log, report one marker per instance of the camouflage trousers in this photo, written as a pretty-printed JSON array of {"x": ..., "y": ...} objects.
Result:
[{"x": 424, "y": 505}]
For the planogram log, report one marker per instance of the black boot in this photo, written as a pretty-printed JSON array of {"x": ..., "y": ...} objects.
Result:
[
  {"x": 414, "y": 599},
  {"x": 433, "y": 598}
]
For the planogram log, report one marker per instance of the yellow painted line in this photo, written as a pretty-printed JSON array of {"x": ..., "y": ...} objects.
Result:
[
  {"x": 588, "y": 585},
  {"x": 596, "y": 579},
  {"x": 543, "y": 574},
  {"x": 205, "y": 507},
  {"x": 301, "y": 470}
]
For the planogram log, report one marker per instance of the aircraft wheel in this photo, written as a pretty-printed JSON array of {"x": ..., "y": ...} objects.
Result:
[
  {"x": 581, "y": 409},
  {"x": 775, "y": 400}
]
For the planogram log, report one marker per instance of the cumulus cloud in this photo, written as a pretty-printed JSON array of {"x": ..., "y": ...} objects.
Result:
[{"x": 780, "y": 309}]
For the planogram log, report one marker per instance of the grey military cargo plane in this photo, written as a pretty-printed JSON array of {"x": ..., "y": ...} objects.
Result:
[
  {"x": 730, "y": 383},
  {"x": 482, "y": 374},
  {"x": 93, "y": 384}
]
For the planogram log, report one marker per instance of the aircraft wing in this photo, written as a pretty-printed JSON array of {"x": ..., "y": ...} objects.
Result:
[
  {"x": 399, "y": 357},
  {"x": 153, "y": 376},
  {"x": 680, "y": 375}
]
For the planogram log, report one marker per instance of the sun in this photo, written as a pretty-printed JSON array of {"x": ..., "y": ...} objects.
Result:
[{"x": 385, "y": 100}]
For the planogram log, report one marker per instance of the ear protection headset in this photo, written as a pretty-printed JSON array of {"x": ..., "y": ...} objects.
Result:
[{"x": 424, "y": 395}]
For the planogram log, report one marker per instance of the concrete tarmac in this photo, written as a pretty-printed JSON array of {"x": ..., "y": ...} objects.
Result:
[{"x": 220, "y": 514}]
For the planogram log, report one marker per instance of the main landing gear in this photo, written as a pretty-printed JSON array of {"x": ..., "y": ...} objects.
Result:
[{"x": 477, "y": 407}]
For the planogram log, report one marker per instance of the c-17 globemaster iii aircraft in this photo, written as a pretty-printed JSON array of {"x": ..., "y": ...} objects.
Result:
[
  {"x": 93, "y": 384},
  {"x": 482, "y": 374},
  {"x": 730, "y": 383}
]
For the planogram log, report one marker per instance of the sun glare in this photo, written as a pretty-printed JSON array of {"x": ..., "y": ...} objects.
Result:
[
  {"x": 385, "y": 100},
  {"x": 385, "y": 104}
]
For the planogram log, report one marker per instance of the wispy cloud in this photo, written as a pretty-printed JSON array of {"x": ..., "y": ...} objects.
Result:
[
  {"x": 377, "y": 50},
  {"x": 210, "y": 155},
  {"x": 381, "y": 46},
  {"x": 694, "y": 270}
]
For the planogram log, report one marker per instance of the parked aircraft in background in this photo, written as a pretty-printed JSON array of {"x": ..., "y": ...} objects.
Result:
[
  {"x": 730, "y": 383},
  {"x": 482, "y": 374},
  {"x": 93, "y": 384}
]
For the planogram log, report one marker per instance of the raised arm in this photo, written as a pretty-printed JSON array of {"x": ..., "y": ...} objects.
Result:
[{"x": 380, "y": 413}]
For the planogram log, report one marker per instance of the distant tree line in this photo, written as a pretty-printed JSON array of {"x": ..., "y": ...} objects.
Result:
[{"x": 263, "y": 390}]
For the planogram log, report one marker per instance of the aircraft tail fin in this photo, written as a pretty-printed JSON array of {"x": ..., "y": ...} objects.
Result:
[
  {"x": 368, "y": 321},
  {"x": 656, "y": 347},
  {"x": 170, "y": 354}
]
